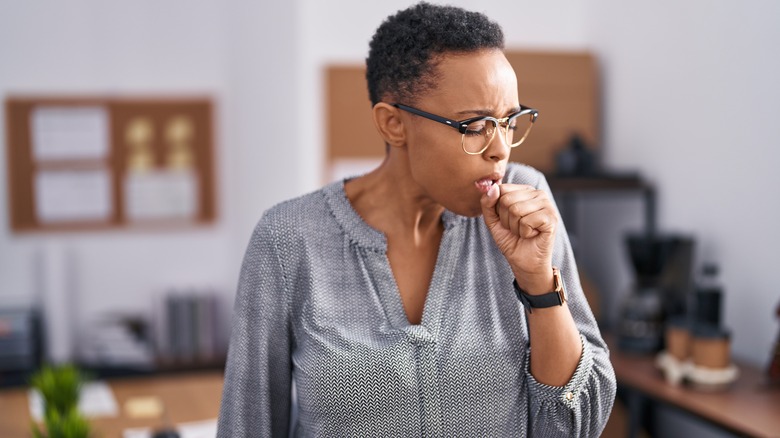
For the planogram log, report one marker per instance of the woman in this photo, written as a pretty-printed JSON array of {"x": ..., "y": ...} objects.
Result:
[{"x": 434, "y": 296}]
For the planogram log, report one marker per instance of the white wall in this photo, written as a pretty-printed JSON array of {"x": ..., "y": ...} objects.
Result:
[
  {"x": 235, "y": 52},
  {"x": 690, "y": 101},
  {"x": 92, "y": 48},
  {"x": 688, "y": 89}
]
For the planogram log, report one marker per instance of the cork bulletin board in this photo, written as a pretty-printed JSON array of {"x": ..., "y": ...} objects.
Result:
[
  {"x": 79, "y": 164},
  {"x": 562, "y": 85}
]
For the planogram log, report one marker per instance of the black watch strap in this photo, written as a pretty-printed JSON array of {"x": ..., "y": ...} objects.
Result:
[{"x": 550, "y": 299}]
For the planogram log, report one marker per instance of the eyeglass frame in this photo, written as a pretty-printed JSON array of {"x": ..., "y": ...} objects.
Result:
[{"x": 462, "y": 125}]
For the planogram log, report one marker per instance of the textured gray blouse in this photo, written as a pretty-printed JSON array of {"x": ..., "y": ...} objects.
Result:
[{"x": 319, "y": 330}]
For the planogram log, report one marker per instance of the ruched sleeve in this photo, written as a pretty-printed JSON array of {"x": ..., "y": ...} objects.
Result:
[
  {"x": 582, "y": 406},
  {"x": 256, "y": 395}
]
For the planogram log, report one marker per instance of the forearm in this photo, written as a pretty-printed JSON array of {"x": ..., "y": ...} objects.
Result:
[
  {"x": 556, "y": 346},
  {"x": 555, "y": 341}
]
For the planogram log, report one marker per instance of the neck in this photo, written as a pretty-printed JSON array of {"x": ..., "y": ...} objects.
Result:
[{"x": 390, "y": 201}]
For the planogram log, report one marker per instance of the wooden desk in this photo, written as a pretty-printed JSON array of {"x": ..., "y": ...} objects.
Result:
[
  {"x": 185, "y": 397},
  {"x": 749, "y": 407}
]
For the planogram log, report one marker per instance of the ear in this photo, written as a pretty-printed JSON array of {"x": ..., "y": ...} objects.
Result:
[{"x": 388, "y": 122}]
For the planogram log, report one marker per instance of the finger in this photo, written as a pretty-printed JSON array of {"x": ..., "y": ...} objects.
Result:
[
  {"x": 515, "y": 224},
  {"x": 488, "y": 203},
  {"x": 506, "y": 188},
  {"x": 510, "y": 207},
  {"x": 541, "y": 222},
  {"x": 518, "y": 211},
  {"x": 523, "y": 203},
  {"x": 514, "y": 192},
  {"x": 514, "y": 206},
  {"x": 513, "y": 197}
]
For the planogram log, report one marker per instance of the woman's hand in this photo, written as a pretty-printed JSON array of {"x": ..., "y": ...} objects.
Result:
[{"x": 522, "y": 221}]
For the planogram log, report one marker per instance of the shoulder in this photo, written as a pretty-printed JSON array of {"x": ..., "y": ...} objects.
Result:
[
  {"x": 296, "y": 209},
  {"x": 518, "y": 173},
  {"x": 290, "y": 217}
]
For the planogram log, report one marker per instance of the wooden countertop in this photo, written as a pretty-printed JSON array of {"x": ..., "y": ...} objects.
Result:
[
  {"x": 186, "y": 398},
  {"x": 749, "y": 406}
]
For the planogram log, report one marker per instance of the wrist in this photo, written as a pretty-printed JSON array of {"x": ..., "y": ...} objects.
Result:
[
  {"x": 555, "y": 297},
  {"x": 535, "y": 283}
]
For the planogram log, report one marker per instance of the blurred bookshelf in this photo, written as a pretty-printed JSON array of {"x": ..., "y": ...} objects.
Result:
[
  {"x": 20, "y": 344},
  {"x": 184, "y": 333},
  {"x": 191, "y": 336}
]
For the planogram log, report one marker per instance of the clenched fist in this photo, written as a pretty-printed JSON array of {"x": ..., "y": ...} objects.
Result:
[{"x": 523, "y": 221}]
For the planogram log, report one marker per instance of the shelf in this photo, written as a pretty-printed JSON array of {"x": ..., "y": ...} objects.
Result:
[
  {"x": 596, "y": 183},
  {"x": 571, "y": 187}
]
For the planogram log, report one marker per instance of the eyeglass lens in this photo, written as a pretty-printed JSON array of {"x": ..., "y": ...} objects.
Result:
[{"x": 479, "y": 134}]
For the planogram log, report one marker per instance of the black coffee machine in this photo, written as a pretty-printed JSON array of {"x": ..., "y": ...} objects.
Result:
[{"x": 662, "y": 282}]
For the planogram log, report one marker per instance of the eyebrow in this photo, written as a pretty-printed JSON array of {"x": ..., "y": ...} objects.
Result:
[{"x": 486, "y": 112}]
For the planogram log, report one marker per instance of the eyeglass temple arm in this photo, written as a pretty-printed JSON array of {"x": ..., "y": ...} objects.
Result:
[
  {"x": 449, "y": 122},
  {"x": 528, "y": 110}
]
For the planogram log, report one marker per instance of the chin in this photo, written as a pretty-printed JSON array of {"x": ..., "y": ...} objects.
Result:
[
  {"x": 475, "y": 213},
  {"x": 468, "y": 204},
  {"x": 467, "y": 210}
]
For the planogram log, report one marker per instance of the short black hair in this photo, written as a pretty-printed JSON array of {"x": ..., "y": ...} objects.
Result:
[{"x": 403, "y": 52}]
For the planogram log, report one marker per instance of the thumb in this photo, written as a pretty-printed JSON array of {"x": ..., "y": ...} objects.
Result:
[{"x": 489, "y": 201}]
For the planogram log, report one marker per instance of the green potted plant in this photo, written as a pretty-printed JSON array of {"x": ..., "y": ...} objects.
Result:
[
  {"x": 69, "y": 425},
  {"x": 59, "y": 387}
]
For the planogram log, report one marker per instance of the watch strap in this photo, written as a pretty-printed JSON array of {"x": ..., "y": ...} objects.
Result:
[{"x": 549, "y": 299}]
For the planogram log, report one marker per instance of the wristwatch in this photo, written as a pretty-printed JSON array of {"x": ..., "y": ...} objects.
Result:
[{"x": 555, "y": 298}]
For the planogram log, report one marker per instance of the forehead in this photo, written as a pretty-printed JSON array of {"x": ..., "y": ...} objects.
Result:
[{"x": 475, "y": 80}]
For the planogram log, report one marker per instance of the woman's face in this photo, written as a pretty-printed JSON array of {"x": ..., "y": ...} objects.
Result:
[{"x": 468, "y": 85}]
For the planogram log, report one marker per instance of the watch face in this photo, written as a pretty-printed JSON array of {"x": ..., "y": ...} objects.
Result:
[{"x": 558, "y": 282}]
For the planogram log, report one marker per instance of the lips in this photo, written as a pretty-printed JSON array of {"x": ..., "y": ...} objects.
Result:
[{"x": 484, "y": 184}]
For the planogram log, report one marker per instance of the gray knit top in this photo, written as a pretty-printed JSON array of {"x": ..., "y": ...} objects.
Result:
[{"x": 321, "y": 345}]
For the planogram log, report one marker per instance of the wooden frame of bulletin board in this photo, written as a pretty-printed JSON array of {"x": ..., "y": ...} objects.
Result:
[
  {"x": 79, "y": 164},
  {"x": 563, "y": 86}
]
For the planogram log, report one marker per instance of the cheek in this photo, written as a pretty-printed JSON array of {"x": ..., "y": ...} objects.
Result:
[
  {"x": 431, "y": 160},
  {"x": 445, "y": 176}
]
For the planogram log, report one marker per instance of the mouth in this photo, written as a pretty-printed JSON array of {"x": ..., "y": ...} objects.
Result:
[{"x": 484, "y": 184}]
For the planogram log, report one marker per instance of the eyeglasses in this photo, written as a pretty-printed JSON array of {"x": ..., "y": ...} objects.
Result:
[{"x": 478, "y": 132}]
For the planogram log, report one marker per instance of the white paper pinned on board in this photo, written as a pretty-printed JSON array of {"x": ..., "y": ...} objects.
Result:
[
  {"x": 69, "y": 133},
  {"x": 161, "y": 194},
  {"x": 73, "y": 196}
]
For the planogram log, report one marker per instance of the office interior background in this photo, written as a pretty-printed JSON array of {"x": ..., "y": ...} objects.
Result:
[{"x": 689, "y": 100}]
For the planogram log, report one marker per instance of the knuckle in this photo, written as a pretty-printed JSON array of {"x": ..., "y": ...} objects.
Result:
[{"x": 515, "y": 210}]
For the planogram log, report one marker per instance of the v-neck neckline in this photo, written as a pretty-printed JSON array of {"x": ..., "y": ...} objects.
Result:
[
  {"x": 360, "y": 232},
  {"x": 366, "y": 237}
]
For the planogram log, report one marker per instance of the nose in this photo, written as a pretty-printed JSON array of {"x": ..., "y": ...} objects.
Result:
[{"x": 498, "y": 149}]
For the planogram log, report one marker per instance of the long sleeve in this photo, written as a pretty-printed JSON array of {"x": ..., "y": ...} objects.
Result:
[
  {"x": 582, "y": 406},
  {"x": 256, "y": 395}
]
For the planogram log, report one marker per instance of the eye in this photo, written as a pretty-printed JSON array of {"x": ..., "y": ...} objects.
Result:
[{"x": 479, "y": 128}]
